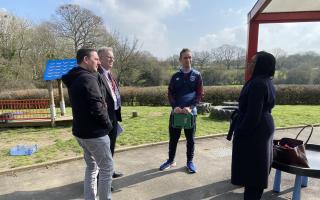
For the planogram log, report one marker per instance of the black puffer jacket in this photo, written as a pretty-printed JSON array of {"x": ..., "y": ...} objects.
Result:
[{"x": 89, "y": 109}]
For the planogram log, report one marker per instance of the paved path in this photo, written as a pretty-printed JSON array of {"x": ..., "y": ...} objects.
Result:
[{"x": 143, "y": 180}]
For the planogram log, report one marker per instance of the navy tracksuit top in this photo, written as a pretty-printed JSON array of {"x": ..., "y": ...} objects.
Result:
[{"x": 185, "y": 89}]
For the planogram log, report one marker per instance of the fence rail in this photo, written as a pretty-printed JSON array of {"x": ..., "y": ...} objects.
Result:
[{"x": 28, "y": 109}]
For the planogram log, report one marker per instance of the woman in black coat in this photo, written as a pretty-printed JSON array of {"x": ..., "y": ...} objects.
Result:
[{"x": 254, "y": 128}]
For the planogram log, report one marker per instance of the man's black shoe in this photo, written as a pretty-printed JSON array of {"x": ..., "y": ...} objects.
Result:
[
  {"x": 112, "y": 189},
  {"x": 117, "y": 174}
]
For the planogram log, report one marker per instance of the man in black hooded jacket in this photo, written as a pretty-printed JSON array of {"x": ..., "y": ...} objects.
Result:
[{"x": 91, "y": 122}]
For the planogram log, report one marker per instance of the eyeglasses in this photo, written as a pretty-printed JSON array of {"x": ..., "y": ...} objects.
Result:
[{"x": 110, "y": 57}]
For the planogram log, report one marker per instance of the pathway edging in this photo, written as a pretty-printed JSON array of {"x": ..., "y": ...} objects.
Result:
[{"x": 61, "y": 161}]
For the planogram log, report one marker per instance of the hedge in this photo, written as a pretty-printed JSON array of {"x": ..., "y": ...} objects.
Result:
[{"x": 157, "y": 96}]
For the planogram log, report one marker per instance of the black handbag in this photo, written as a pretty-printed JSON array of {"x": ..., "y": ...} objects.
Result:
[
  {"x": 291, "y": 151},
  {"x": 233, "y": 120}
]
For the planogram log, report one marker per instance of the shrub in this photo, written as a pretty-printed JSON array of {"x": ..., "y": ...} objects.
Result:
[
  {"x": 147, "y": 96},
  {"x": 153, "y": 96},
  {"x": 157, "y": 96},
  {"x": 298, "y": 94},
  {"x": 33, "y": 94},
  {"x": 218, "y": 94}
]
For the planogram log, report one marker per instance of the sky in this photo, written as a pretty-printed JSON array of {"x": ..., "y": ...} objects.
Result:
[{"x": 164, "y": 27}]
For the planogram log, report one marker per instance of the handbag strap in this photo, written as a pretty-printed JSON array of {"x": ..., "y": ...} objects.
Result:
[{"x": 311, "y": 131}]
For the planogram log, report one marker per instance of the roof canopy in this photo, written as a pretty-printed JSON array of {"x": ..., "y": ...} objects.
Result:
[
  {"x": 278, "y": 11},
  {"x": 292, "y": 6}
]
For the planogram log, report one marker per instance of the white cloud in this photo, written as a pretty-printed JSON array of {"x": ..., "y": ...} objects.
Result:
[
  {"x": 232, "y": 36},
  {"x": 3, "y": 10},
  {"x": 232, "y": 11},
  {"x": 141, "y": 19},
  {"x": 291, "y": 37},
  {"x": 157, "y": 8}
]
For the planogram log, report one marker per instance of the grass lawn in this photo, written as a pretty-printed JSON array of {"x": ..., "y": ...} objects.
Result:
[{"x": 150, "y": 126}]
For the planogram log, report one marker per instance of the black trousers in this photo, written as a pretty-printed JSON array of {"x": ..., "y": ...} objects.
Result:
[
  {"x": 252, "y": 193},
  {"x": 113, "y": 136},
  {"x": 174, "y": 135}
]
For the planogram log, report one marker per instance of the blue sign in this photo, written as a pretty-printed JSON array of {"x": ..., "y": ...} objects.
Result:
[{"x": 55, "y": 69}]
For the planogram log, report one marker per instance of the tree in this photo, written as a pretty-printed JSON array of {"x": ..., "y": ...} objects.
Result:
[
  {"x": 225, "y": 54},
  {"x": 201, "y": 58},
  {"x": 14, "y": 43},
  {"x": 173, "y": 61},
  {"x": 13, "y": 36},
  {"x": 126, "y": 59},
  {"x": 240, "y": 57},
  {"x": 300, "y": 75},
  {"x": 316, "y": 76},
  {"x": 151, "y": 71},
  {"x": 281, "y": 56},
  {"x": 44, "y": 45},
  {"x": 81, "y": 26}
]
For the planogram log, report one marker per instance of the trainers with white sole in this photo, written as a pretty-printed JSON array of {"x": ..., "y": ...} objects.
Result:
[
  {"x": 191, "y": 167},
  {"x": 168, "y": 164}
]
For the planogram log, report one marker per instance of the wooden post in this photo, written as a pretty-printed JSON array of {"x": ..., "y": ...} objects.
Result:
[
  {"x": 52, "y": 106},
  {"x": 61, "y": 97},
  {"x": 135, "y": 114}
]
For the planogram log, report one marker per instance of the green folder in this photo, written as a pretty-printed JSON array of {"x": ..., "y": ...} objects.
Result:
[{"x": 184, "y": 121}]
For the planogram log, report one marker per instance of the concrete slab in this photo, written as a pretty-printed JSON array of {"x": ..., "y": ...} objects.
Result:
[{"x": 143, "y": 180}]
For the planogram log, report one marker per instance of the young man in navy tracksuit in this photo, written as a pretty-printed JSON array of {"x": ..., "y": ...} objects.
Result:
[{"x": 184, "y": 92}]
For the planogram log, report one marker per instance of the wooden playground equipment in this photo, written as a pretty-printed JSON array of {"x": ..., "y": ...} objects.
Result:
[
  {"x": 38, "y": 112},
  {"x": 24, "y": 110},
  {"x": 28, "y": 112}
]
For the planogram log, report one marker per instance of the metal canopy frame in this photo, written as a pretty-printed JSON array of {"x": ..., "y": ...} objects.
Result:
[{"x": 278, "y": 11}]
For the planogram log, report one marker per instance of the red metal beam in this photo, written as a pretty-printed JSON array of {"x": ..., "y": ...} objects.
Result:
[
  {"x": 257, "y": 8},
  {"x": 253, "y": 34},
  {"x": 256, "y": 17},
  {"x": 283, "y": 17}
]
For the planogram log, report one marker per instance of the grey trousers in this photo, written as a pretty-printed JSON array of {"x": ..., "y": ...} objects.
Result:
[{"x": 98, "y": 158}]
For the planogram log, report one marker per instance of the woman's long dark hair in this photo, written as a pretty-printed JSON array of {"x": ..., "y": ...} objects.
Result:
[{"x": 265, "y": 65}]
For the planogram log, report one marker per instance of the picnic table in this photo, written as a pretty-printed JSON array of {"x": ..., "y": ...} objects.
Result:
[{"x": 302, "y": 174}]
